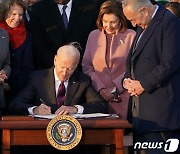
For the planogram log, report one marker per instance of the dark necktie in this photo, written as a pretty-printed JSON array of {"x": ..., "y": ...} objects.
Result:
[
  {"x": 64, "y": 15},
  {"x": 137, "y": 39},
  {"x": 61, "y": 95}
]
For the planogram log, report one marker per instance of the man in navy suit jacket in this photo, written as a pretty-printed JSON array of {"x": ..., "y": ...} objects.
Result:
[
  {"x": 39, "y": 96},
  {"x": 153, "y": 71}
]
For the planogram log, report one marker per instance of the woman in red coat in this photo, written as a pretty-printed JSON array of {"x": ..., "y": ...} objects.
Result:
[{"x": 11, "y": 19}]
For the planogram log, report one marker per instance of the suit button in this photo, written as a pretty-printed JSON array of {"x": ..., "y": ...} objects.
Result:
[
  {"x": 159, "y": 85},
  {"x": 147, "y": 59}
]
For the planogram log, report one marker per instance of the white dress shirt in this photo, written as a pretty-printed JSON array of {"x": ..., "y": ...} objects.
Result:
[
  {"x": 68, "y": 9},
  {"x": 57, "y": 83}
]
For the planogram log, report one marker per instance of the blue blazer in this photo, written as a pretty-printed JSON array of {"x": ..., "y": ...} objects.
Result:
[
  {"x": 21, "y": 65},
  {"x": 156, "y": 64}
]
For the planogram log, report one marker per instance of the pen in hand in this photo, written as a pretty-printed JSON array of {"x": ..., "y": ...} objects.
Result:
[
  {"x": 42, "y": 102},
  {"x": 44, "y": 109}
]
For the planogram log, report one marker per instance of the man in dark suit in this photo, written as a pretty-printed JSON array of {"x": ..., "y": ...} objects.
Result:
[
  {"x": 153, "y": 71},
  {"x": 48, "y": 29},
  {"x": 39, "y": 96}
]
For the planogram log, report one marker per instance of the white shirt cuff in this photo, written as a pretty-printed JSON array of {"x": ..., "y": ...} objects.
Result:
[
  {"x": 80, "y": 109},
  {"x": 124, "y": 84},
  {"x": 30, "y": 110}
]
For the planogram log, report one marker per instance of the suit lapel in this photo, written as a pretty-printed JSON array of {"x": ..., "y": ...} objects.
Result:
[
  {"x": 2, "y": 44},
  {"x": 75, "y": 13},
  {"x": 50, "y": 86},
  {"x": 72, "y": 88},
  {"x": 53, "y": 10},
  {"x": 102, "y": 51},
  {"x": 149, "y": 31},
  {"x": 135, "y": 42}
]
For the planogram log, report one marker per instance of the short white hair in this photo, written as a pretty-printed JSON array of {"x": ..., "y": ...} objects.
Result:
[
  {"x": 136, "y": 4},
  {"x": 70, "y": 50}
]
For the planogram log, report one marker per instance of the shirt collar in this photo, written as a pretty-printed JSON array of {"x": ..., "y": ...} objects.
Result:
[
  {"x": 69, "y": 5},
  {"x": 55, "y": 76},
  {"x": 157, "y": 7}
]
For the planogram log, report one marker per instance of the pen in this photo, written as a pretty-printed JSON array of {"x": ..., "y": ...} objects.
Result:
[{"x": 42, "y": 101}]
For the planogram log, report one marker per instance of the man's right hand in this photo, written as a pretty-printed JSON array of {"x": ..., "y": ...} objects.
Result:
[
  {"x": 42, "y": 110},
  {"x": 133, "y": 86}
]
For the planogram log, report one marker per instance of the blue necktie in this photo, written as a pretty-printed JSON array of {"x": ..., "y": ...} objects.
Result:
[
  {"x": 64, "y": 15},
  {"x": 61, "y": 95}
]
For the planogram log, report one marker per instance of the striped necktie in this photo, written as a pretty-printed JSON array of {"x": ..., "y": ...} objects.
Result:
[
  {"x": 64, "y": 15},
  {"x": 61, "y": 95}
]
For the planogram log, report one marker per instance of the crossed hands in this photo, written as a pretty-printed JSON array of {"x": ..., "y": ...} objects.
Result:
[{"x": 133, "y": 86}]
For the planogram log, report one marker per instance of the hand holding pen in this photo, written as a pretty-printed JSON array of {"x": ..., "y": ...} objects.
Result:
[
  {"x": 42, "y": 109},
  {"x": 42, "y": 102}
]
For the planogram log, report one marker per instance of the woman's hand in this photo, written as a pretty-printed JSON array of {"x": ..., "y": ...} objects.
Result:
[{"x": 106, "y": 94}]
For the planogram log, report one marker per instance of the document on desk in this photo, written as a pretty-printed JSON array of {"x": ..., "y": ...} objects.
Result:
[
  {"x": 78, "y": 116},
  {"x": 91, "y": 115}
]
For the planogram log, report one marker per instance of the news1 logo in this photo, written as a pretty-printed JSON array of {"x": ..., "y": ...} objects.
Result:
[{"x": 171, "y": 145}]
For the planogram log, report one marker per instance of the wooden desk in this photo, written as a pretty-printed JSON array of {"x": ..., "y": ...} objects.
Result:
[{"x": 33, "y": 132}]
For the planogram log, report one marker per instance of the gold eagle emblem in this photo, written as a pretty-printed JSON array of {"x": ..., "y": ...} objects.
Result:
[{"x": 64, "y": 130}]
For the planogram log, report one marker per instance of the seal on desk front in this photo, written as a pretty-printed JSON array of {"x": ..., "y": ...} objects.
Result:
[{"x": 64, "y": 132}]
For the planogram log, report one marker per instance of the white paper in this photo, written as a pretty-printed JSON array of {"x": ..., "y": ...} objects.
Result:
[
  {"x": 51, "y": 116},
  {"x": 78, "y": 116},
  {"x": 91, "y": 115}
]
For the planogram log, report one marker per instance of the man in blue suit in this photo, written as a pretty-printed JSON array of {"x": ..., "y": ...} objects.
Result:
[{"x": 153, "y": 72}]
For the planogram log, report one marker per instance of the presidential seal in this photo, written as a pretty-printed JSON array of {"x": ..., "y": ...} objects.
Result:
[{"x": 64, "y": 132}]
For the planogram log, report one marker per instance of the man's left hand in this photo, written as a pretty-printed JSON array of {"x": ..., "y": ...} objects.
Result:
[
  {"x": 137, "y": 88},
  {"x": 134, "y": 87},
  {"x": 64, "y": 110}
]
